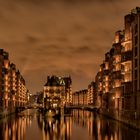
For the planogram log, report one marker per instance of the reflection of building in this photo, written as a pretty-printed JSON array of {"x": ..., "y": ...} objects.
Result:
[
  {"x": 14, "y": 128},
  {"x": 55, "y": 128},
  {"x": 98, "y": 127},
  {"x": 57, "y": 91},
  {"x": 83, "y": 124},
  {"x": 80, "y": 97},
  {"x": 82, "y": 118},
  {"x": 12, "y": 84}
]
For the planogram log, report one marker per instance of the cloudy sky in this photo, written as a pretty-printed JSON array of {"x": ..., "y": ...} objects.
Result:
[{"x": 61, "y": 37}]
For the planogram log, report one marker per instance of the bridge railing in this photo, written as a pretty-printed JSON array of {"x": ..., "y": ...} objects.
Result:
[{"x": 83, "y": 106}]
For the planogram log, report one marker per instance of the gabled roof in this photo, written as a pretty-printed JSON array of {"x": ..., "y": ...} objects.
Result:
[{"x": 53, "y": 81}]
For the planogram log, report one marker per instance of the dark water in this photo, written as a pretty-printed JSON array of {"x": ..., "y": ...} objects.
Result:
[{"x": 82, "y": 125}]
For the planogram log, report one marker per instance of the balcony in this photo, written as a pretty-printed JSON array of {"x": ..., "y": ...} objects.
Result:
[
  {"x": 117, "y": 89},
  {"x": 127, "y": 77},
  {"x": 106, "y": 72},
  {"x": 125, "y": 71},
  {"x": 116, "y": 59},
  {"x": 117, "y": 68},
  {"x": 100, "y": 93},
  {"x": 116, "y": 75},
  {"x": 117, "y": 48},
  {"x": 4, "y": 71},
  {"x": 126, "y": 56},
  {"x": 105, "y": 97},
  {"x": 127, "y": 88}
]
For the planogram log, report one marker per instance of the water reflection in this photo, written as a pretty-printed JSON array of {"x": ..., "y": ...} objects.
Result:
[
  {"x": 101, "y": 128},
  {"x": 14, "y": 128},
  {"x": 55, "y": 129},
  {"x": 82, "y": 125}
]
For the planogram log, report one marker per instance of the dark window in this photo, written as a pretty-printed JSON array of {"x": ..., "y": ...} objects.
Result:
[
  {"x": 136, "y": 74},
  {"x": 136, "y": 40},
  {"x": 135, "y": 102},
  {"x": 135, "y": 51},
  {"x": 51, "y": 91},
  {"x": 136, "y": 63},
  {"x": 135, "y": 84},
  {"x": 136, "y": 28},
  {"x": 123, "y": 90},
  {"x": 122, "y": 102}
]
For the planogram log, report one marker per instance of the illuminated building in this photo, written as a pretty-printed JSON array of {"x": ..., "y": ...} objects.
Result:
[
  {"x": 57, "y": 91},
  {"x": 115, "y": 74},
  {"x": 134, "y": 68},
  {"x": 91, "y": 94},
  {"x": 80, "y": 98},
  {"x": 105, "y": 81},
  {"x": 21, "y": 96},
  {"x": 13, "y": 84},
  {"x": 75, "y": 98},
  {"x": 83, "y": 97},
  {"x": 119, "y": 74},
  {"x": 9, "y": 87},
  {"x": 68, "y": 90},
  {"x": 99, "y": 86},
  {"x": 127, "y": 64},
  {"x": 113, "y": 79},
  {"x": 6, "y": 79}
]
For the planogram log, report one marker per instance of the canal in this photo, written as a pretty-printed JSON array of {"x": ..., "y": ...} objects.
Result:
[{"x": 81, "y": 125}]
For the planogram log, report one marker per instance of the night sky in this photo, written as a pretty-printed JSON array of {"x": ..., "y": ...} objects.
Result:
[{"x": 61, "y": 37}]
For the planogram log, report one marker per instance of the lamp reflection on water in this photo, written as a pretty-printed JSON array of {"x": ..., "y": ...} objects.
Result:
[
  {"x": 54, "y": 128},
  {"x": 81, "y": 125}
]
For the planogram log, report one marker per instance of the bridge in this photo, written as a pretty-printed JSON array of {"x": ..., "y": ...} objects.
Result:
[
  {"x": 66, "y": 108},
  {"x": 84, "y": 107}
]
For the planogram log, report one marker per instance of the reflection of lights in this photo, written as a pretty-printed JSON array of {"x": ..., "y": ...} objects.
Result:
[
  {"x": 50, "y": 122},
  {"x": 43, "y": 131},
  {"x": 54, "y": 105},
  {"x": 113, "y": 97},
  {"x": 10, "y": 132}
]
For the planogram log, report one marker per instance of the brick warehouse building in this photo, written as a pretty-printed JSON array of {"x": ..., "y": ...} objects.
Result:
[
  {"x": 57, "y": 92},
  {"x": 118, "y": 79},
  {"x": 13, "y": 92}
]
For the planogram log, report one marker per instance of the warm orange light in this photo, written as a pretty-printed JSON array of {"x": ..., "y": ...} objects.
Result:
[{"x": 113, "y": 98}]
